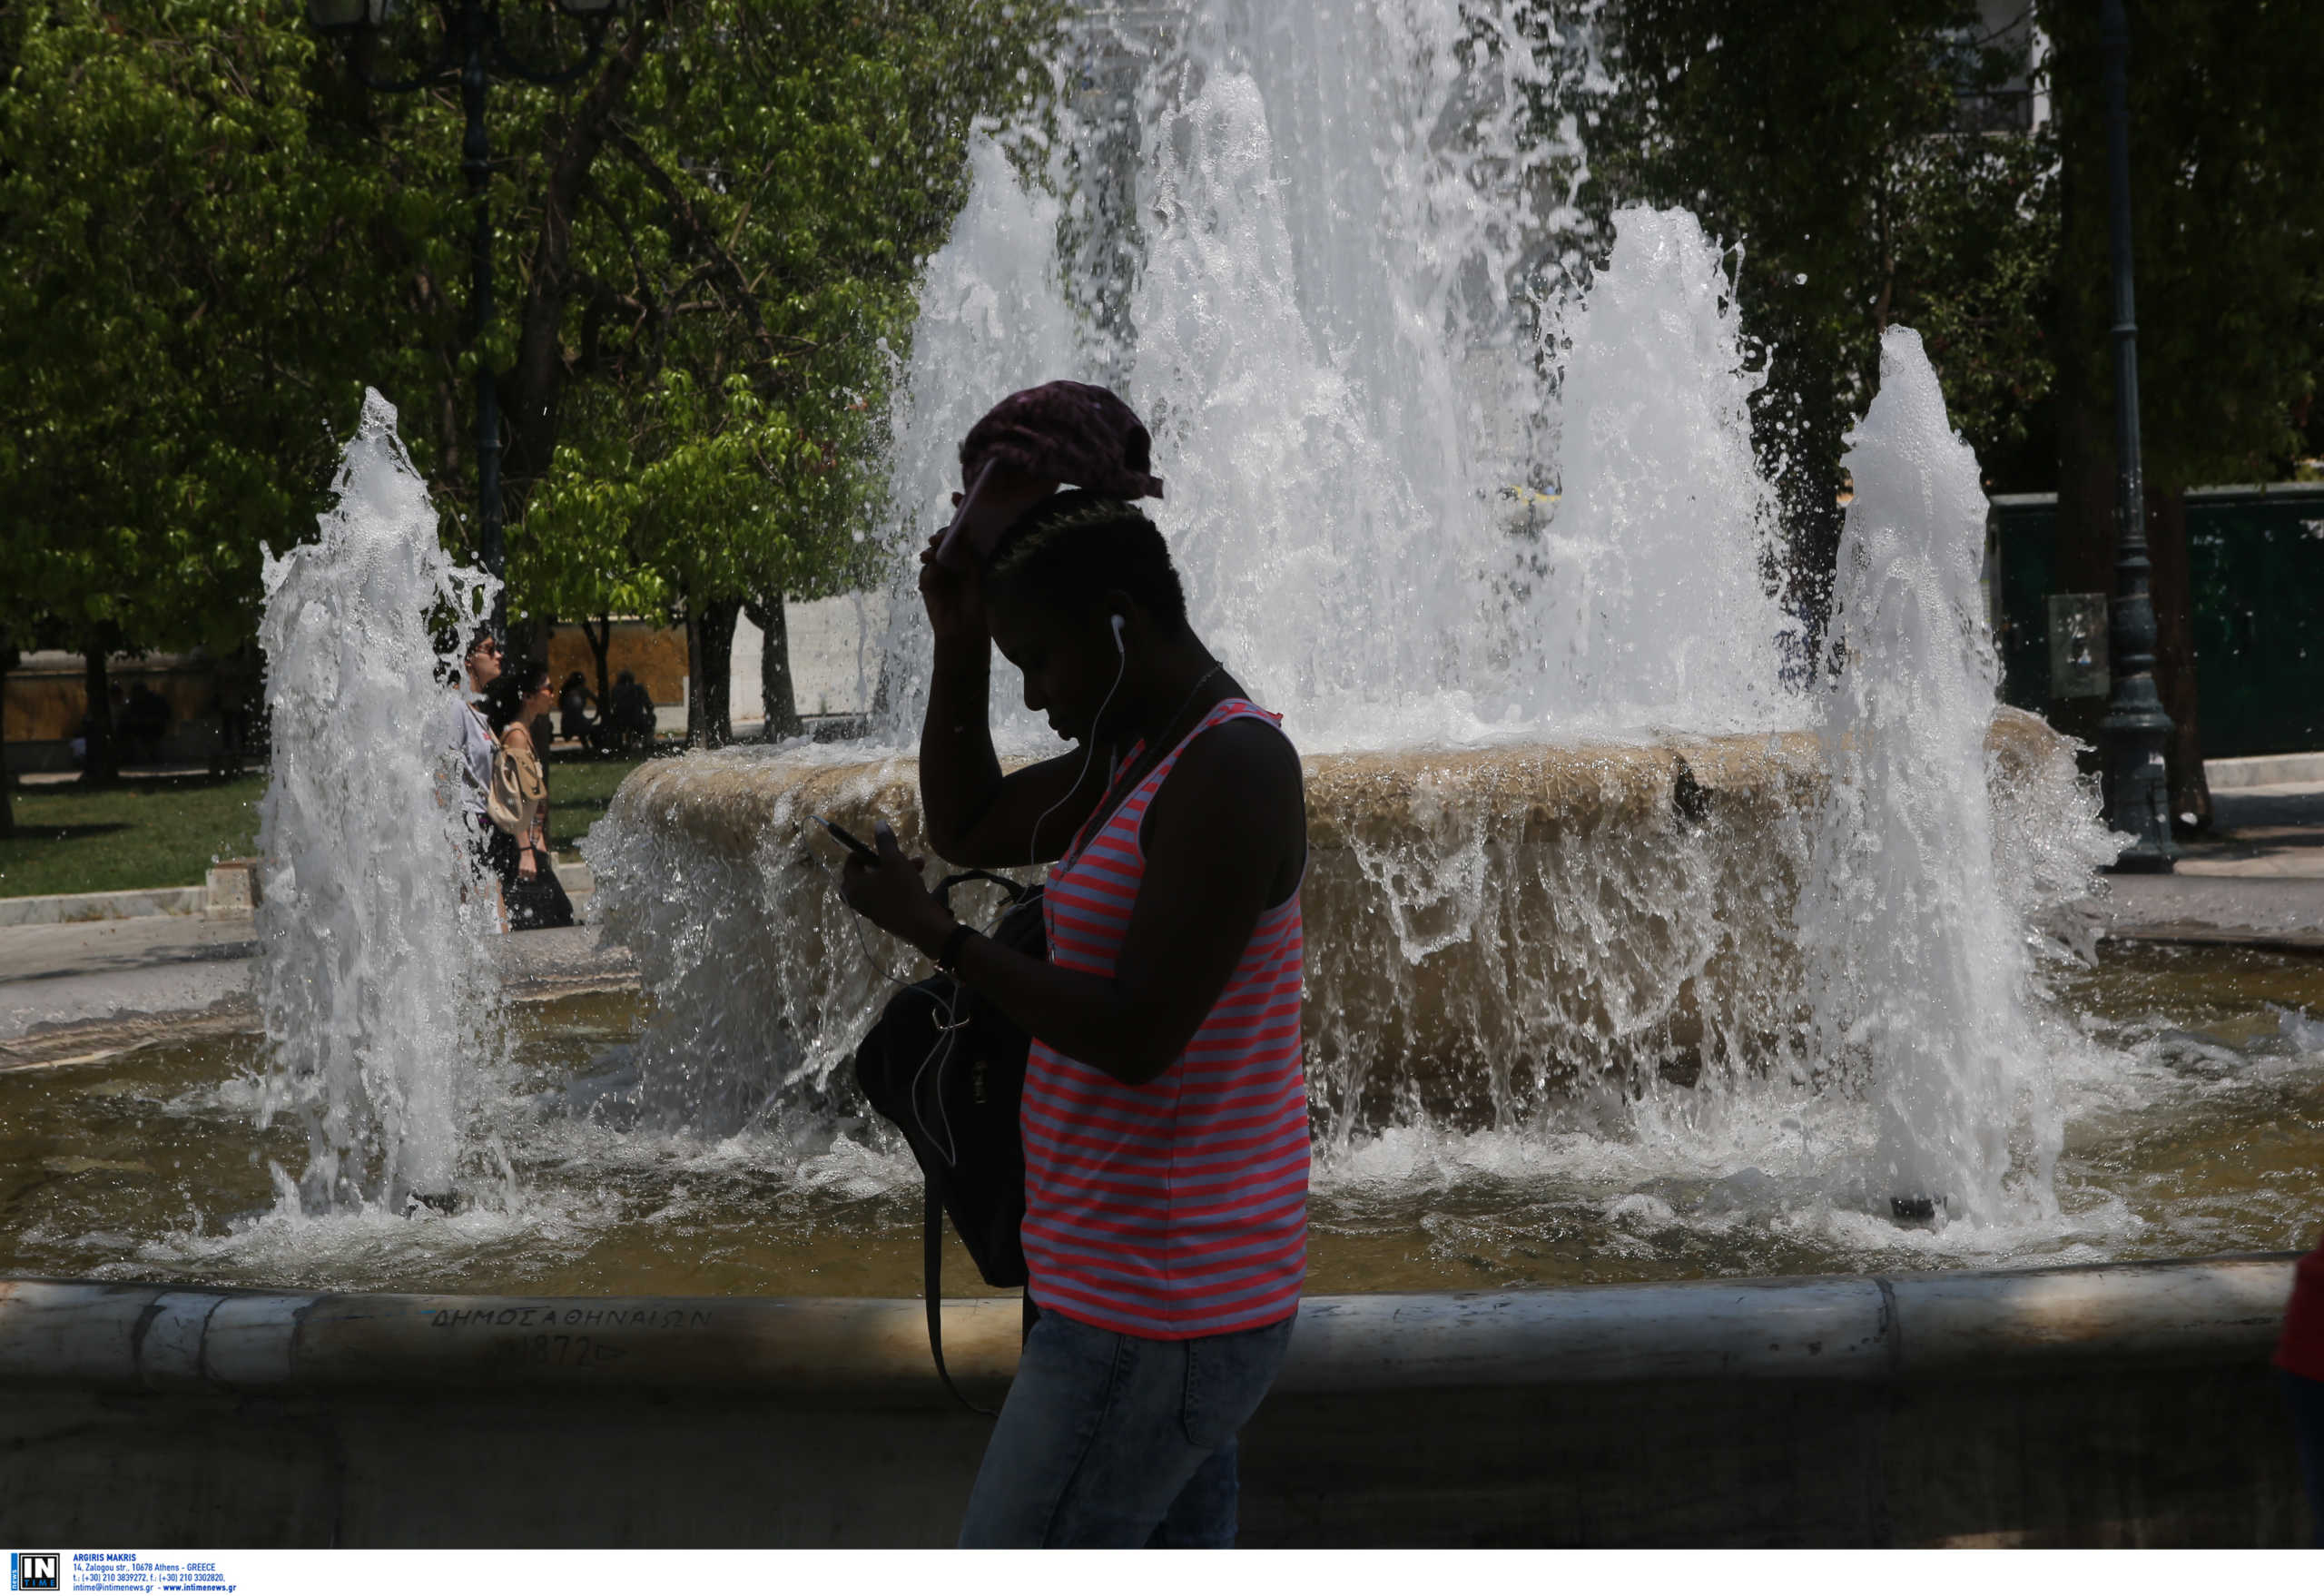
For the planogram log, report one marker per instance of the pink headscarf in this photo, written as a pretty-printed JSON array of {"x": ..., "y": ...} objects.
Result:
[{"x": 1075, "y": 433}]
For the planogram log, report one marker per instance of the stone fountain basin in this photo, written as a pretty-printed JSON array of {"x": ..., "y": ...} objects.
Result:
[
  {"x": 1487, "y": 928},
  {"x": 2117, "y": 1404}
]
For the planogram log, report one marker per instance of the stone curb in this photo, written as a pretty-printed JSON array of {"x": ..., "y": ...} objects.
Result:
[
  {"x": 81, "y": 908},
  {"x": 227, "y": 894},
  {"x": 1887, "y": 1329},
  {"x": 2262, "y": 770}
]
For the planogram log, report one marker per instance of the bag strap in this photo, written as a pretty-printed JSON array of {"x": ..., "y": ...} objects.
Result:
[
  {"x": 1014, "y": 891},
  {"x": 933, "y": 1272}
]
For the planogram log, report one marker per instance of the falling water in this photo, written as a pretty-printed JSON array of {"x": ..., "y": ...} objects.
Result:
[
  {"x": 1338, "y": 324},
  {"x": 1658, "y": 606},
  {"x": 1500, "y": 547},
  {"x": 374, "y": 975},
  {"x": 1918, "y": 964}
]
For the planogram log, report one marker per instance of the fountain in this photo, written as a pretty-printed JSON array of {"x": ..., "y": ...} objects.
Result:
[
  {"x": 375, "y": 980},
  {"x": 1565, "y": 797}
]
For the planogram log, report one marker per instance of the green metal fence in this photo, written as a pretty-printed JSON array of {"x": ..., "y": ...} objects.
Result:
[{"x": 2255, "y": 560}]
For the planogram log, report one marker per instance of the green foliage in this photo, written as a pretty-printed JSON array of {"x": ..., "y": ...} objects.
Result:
[
  {"x": 2227, "y": 221},
  {"x": 171, "y": 311},
  {"x": 212, "y": 238},
  {"x": 1834, "y": 144},
  {"x": 1975, "y": 269},
  {"x": 711, "y": 312}
]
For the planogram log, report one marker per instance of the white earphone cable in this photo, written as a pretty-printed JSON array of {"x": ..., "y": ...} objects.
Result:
[{"x": 1033, "y": 843}]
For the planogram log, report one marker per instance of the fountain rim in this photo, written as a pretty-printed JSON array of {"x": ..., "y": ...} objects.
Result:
[{"x": 1893, "y": 1329}]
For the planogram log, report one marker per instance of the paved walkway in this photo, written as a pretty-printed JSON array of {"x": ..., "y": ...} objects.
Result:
[
  {"x": 2263, "y": 831},
  {"x": 2258, "y": 881},
  {"x": 109, "y": 982}
]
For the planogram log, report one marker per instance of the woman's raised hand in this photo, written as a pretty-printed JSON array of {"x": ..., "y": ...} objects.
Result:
[{"x": 955, "y": 599}]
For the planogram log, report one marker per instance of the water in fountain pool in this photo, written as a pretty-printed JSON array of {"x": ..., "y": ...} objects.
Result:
[{"x": 2188, "y": 1126}]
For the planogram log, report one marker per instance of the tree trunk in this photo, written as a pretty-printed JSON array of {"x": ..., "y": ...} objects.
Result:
[
  {"x": 600, "y": 638},
  {"x": 531, "y": 389},
  {"x": 776, "y": 689},
  {"x": 710, "y": 662},
  {"x": 101, "y": 767},
  {"x": 2174, "y": 657}
]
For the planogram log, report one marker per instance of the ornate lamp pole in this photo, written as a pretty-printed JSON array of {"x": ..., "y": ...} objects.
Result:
[
  {"x": 472, "y": 52},
  {"x": 2136, "y": 728}
]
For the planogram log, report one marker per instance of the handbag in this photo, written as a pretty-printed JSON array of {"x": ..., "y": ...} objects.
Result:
[
  {"x": 538, "y": 901},
  {"x": 947, "y": 1068},
  {"x": 505, "y": 804}
]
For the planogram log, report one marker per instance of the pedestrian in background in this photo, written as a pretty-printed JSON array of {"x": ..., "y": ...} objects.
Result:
[
  {"x": 519, "y": 802},
  {"x": 573, "y": 706}
]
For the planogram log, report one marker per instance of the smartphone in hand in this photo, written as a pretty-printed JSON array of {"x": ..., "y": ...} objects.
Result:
[
  {"x": 954, "y": 551},
  {"x": 853, "y": 843}
]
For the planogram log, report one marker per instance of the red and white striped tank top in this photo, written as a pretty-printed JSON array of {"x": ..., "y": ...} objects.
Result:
[{"x": 1179, "y": 1207}]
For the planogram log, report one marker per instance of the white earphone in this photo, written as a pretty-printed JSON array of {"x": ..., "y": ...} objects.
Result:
[{"x": 1089, "y": 750}]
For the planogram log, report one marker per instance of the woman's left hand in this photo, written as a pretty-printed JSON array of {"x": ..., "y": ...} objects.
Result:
[{"x": 891, "y": 895}]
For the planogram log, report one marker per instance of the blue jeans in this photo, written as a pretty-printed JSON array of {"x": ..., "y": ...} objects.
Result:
[{"x": 1113, "y": 1440}]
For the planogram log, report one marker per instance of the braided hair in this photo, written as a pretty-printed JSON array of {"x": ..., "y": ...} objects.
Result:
[{"x": 1072, "y": 548}]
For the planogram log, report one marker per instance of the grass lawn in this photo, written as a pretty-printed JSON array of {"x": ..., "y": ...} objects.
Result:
[
  {"x": 165, "y": 831},
  {"x": 579, "y": 788},
  {"x": 149, "y": 832}
]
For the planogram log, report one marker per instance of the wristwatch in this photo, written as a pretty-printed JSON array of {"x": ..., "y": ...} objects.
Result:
[{"x": 948, "y": 957}]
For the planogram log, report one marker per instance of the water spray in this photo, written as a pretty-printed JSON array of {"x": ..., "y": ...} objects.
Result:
[{"x": 375, "y": 975}]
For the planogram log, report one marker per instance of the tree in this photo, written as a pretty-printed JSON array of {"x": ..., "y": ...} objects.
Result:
[
  {"x": 2227, "y": 242},
  {"x": 176, "y": 321},
  {"x": 726, "y": 350},
  {"x": 212, "y": 239},
  {"x": 716, "y": 241},
  {"x": 8, "y": 658}
]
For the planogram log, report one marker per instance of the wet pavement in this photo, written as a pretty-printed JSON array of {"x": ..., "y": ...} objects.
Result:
[{"x": 2256, "y": 881}]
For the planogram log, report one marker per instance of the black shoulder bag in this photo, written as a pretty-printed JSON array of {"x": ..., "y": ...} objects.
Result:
[{"x": 948, "y": 1069}]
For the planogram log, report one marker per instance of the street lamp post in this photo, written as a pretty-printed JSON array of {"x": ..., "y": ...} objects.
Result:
[
  {"x": 472, "y": 53},
  {"x": 2136, "y": 729}
]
